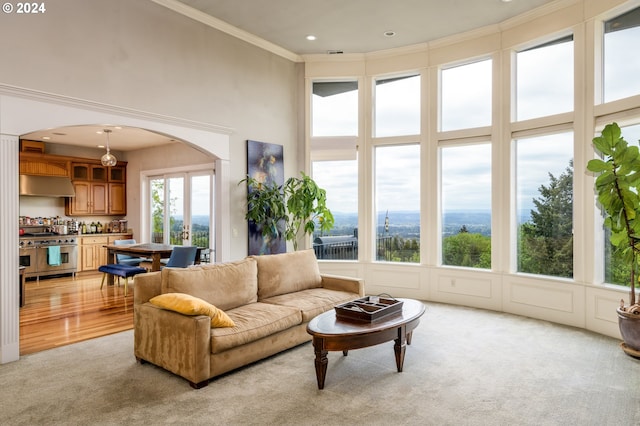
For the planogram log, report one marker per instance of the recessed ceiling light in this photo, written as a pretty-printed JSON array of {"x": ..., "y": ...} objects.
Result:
[
  {"x": 389, "y": 33},
  {"x": 506, "y": 1},
  {"x": 311, "y": 37}
]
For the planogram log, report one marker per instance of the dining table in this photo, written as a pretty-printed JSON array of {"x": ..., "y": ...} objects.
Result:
[{"x": 153, "y": 251}]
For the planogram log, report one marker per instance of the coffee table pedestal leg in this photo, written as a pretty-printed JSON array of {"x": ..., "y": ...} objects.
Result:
[
  {"x": 321, "y": 361},
  {"x": 399, "y": 347}
]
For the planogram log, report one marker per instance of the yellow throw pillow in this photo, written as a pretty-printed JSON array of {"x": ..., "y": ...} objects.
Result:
[{"x": 190, "y": 305}]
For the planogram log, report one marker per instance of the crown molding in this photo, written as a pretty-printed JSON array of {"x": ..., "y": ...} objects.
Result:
[
  {"x": 227, "y": 28},
  {"x": 536, "y": 13}
]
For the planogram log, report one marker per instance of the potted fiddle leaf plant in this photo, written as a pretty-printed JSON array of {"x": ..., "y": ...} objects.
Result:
[
  {"x": 306, "y": 204},
  {"x": 288, "y": 211},
  {"x": 618, "y": 191}
]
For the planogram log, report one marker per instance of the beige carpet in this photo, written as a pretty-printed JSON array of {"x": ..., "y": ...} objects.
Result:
[{"x": 465, "y": 367}]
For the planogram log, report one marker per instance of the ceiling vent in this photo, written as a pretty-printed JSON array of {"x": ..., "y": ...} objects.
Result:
[{"x": 335, "y": 52}]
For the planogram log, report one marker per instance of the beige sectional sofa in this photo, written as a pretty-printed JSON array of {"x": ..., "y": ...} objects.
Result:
[{"x": 270, "y": 299}]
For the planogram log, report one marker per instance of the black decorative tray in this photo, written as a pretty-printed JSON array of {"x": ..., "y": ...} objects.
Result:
[{"x": 368, "y": 308}]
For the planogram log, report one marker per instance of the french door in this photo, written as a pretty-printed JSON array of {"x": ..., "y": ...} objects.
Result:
[{"x": 181, "y": 208}]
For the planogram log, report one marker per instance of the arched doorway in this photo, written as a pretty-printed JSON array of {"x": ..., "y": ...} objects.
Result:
[{"x": 22, "y": 111}]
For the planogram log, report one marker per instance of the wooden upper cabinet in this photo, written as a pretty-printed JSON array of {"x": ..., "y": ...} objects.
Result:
[
  {"x": 99, "y": 198},
  {"x": 89, "y": 172},
  {"x": 118, "y": 174},
  {"x": 117, "y": 199},
  {"x": 91, "y": 198},
  {"x": 80, "y": 204},
  {"x": 43, "y": 165},
  {"x": 100, "y": 190}
]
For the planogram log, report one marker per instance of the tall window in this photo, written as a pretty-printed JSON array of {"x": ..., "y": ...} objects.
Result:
[
  {"x": 466, "y": 96},
  {"x": 335, "y": 165},
  {"x": 466, "y": 205},
  {"x": 397, "y": 195},
  {"x": 544, "y": 79},
  {"x": 544, "y": 193},
  {"x": 334, "y": 106},
  {"x": 340, "y": 180},
  {"x": 621, "y": 62},
  {"x": 397, "y": 106},
  {"x": 617, "y": 270}
]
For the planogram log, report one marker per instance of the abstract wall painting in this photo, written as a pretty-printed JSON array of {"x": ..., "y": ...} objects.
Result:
[{"x": 265, "y": 163}]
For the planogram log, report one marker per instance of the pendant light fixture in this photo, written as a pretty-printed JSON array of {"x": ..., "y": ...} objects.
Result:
[{"x": 108, "y": 159}]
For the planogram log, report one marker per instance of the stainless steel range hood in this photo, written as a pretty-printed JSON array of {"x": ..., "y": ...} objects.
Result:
[{"x": 46, "y": 186}]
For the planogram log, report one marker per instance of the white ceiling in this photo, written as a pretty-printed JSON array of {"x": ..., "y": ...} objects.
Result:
[
  {"x": 354, "y": 26},
  {"x": 120, "y": 138},
  {"x": 350, "y": 26}
]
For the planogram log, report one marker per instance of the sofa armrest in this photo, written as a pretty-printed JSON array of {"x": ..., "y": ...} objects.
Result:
[
  {"x": 146, "y": 286},
  {"x": 179, "y": 343},
  {"x": 350, "y": 284}
]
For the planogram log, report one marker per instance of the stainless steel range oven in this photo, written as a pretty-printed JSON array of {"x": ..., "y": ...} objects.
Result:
[
  {"x": 28, "y": 259},
  {"x": 49, "y": 254}
]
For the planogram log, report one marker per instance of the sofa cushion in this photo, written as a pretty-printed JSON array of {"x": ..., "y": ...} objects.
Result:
[
  {"x": 252, "y": 322},
  {"x": 312, "y": 302},
  {"x": 225, "y": 285},
  {"x": 190, "y": 305},
  {"x": 287, "y": 273}
]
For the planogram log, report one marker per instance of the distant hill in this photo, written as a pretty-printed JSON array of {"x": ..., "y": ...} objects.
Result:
[{"x": 407, "y": 224}]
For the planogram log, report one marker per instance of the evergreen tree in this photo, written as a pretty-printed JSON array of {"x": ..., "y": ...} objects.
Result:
[{"x": 546, "y": 242}]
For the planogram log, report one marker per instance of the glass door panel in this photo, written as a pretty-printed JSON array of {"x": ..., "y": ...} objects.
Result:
[
  {"x": 156, "y": 186},
  {"x": 199, "y": 225},
  {"x": 175, "y": 198}
]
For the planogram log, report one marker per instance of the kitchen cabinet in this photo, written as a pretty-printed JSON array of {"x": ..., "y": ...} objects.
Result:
[
  {"x": 117, "y": 174},
  {"x": 88, "y": 172},
  {"x": 117, "y": 199},
  {"x": 92, "y": 253},
  {"x": 99, "y": 190},
  {"x": 43, "y": 165},
  {"x": 91, "y": 198}
]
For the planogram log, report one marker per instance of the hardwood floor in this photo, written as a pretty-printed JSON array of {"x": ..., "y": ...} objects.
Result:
[{"x": 61, "y": 311}]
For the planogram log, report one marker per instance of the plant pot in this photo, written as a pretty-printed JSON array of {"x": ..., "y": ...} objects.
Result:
[{"x": 630, "y": 330}]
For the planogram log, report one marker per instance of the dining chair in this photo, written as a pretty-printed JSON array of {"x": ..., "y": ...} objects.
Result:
[
  {"x": 125, "y": 259},
  {"x": 181, "y": 257}
]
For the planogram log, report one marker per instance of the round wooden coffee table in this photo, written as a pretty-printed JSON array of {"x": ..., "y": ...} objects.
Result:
[{"x": 332, "y": 334}]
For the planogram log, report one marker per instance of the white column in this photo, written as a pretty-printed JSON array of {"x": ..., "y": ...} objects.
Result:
[
  {"x": 222, "y": 211},
  {"x": 9, "y": 257}
]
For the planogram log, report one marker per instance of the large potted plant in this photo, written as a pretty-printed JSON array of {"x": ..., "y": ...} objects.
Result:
[
  {"x": 290, "y": 211},
  {"x": 617, "y": 188}
]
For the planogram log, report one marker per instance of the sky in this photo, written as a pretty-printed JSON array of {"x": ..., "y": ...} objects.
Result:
[{"x": 545, "y": 87}]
